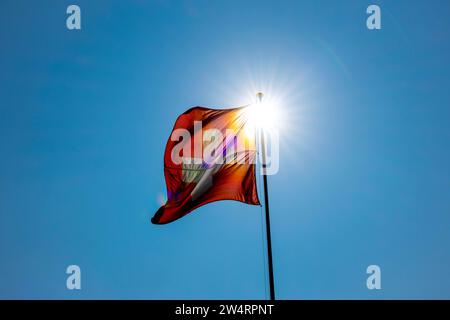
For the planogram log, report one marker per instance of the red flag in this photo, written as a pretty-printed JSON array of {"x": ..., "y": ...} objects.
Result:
[{"x": 210, "y": 156}]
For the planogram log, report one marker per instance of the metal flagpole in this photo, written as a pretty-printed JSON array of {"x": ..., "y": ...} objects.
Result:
[{"x": 260, "y": 96}]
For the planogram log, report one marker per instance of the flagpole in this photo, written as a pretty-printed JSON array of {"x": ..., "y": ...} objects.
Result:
[{"x": 260, "y": 96}]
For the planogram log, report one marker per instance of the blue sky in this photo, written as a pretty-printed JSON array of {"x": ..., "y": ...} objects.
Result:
[{"x": 364, "y": 175}]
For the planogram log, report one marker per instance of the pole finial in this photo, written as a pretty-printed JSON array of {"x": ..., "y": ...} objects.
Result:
[{"x": 260, "y": 96}]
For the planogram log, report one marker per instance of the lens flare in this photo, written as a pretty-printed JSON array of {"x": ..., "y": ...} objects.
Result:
[{"x": 161, "y": 199}]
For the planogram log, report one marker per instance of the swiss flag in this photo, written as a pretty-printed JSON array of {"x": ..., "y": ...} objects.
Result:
[{"x": 210, "y": 156}]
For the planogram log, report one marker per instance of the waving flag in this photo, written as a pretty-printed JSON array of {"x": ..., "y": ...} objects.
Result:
[{"x": 210, "y": 156}]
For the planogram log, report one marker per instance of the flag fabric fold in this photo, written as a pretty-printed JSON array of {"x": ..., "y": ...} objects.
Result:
[{"x": 210, "y": 156}]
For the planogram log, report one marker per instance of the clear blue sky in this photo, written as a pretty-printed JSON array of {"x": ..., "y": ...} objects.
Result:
[{"x": 364, "y": 177}]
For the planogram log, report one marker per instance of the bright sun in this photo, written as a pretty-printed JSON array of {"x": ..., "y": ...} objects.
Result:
[{"x": 263, "y": 114}]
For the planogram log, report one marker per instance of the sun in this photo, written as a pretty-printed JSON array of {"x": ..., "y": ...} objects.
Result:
[{"x": 263, "y": 114}]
